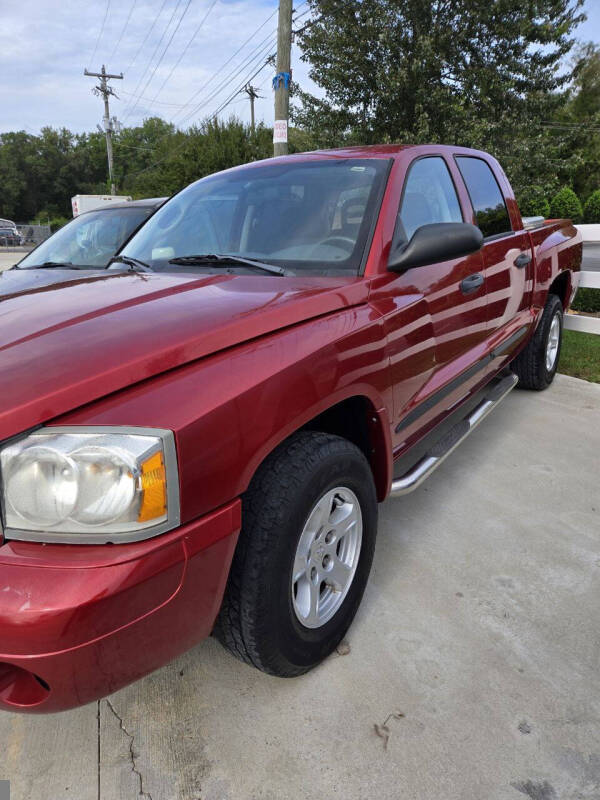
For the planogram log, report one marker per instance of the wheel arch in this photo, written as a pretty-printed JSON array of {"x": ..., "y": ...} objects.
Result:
[
  {"x": 561, "y": 287},
  {"x": 356, "y": 417},
  {"x": 357, "y": 420}
]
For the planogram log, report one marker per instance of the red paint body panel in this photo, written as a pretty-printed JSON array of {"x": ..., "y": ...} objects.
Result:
[
  {"x": 232, "y": 365},
  {"x": 92, "y": 619}
]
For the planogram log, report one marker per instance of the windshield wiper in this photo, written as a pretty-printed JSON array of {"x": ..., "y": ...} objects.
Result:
[
  {"x": 55, "y": 264},
  {"x": 135, "y": 264},
  {"x": 223, "y": 258}
]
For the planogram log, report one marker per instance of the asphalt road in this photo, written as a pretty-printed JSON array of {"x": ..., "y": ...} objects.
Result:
[{"x": 470, "y": 673}]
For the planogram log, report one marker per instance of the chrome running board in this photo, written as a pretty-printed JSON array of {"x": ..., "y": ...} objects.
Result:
[{"x": 450, "y": 441}]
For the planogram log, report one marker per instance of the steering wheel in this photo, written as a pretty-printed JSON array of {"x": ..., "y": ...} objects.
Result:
[{"x": 345, "y": 242}]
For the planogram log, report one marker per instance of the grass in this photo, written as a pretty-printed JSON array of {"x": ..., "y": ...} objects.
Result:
[{"x": 580, "y": 356}]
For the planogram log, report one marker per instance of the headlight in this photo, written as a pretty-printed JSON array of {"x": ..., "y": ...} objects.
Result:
[{"x": 105, "y": 484}]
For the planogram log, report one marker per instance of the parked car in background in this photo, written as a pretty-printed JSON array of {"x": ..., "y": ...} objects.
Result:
[
  {"x": 197, "y": 440},
  {"x": 9, "y": 234},
  {"x": 91, "y": 239}
]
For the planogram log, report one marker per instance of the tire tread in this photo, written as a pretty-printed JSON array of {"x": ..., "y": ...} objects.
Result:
[
  {"x": 242, "y": 625},
  {"x": 530, "y": 366}
]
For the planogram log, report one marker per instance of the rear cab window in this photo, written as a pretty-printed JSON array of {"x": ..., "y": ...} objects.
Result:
[{"x": 487, "y": 199}]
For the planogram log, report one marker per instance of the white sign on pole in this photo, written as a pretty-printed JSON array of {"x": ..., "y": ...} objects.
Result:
[{"x": 280, "y": 130}]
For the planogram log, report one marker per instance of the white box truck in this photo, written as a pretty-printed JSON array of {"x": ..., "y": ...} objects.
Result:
[{"x": 87, "y": 202}]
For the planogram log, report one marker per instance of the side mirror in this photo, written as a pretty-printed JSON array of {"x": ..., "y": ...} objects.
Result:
[{"x": 440, "y": 241}]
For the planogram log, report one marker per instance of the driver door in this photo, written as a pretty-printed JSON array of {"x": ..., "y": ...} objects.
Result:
[{"x": 447, "y": 305}]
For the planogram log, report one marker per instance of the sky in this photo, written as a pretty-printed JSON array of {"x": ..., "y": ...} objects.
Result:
[{"x": 172, "y": 53}]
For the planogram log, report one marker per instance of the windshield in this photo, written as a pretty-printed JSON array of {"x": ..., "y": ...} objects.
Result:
[
  {"x": 305, "y": 216},
  {"x": 89, "y": 240}
]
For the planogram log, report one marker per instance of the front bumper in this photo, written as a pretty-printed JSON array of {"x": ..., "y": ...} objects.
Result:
[{"x": 78, "y": 622}]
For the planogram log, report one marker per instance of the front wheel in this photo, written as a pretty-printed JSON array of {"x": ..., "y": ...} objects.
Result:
[
  {"x": 304, "y": 555},
  {"x": 536, "y": 365}
]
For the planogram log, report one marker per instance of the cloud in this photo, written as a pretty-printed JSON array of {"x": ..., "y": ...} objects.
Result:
[{"x": 44, "y": 47}]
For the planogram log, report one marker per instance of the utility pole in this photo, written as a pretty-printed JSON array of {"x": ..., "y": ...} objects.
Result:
[
  {"x": 110, "y": 125},
  {"x": 281, "y": 81},
  {"x": 252, "y": 94}
]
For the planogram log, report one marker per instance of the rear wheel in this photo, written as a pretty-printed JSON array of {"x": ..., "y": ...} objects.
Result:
[
  {"x": 304, "y": 555},
  {"x": 536, "y": 365}
]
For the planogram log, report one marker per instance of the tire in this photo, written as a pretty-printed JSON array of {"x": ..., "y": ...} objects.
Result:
[
  {"x": 260, "y": 618},
  {"x": 531, "y": 366}
]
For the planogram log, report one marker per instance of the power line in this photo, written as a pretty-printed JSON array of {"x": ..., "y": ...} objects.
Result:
[
  {"x": 147, "y": 36},
  {"x": 230, "y": 99},
  {"x": 168, "y": 44},
  {"x": 185, "y": 49},
  {"x": 116, "y": 47},
  {"x": 158, "y": 102},
  {"x": 229, "y": 60},
  {"x": 101, "y": 31},
  {"x": 209, "y": 119},
  {"x": 149, "y": 81},
  {"x": 255, "y": 55},
  {"x": 132, "y": 106},
  {"x": 234, "y": 94}
]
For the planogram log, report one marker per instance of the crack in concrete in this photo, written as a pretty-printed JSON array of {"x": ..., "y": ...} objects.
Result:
[{"x": 131, "y": 738}]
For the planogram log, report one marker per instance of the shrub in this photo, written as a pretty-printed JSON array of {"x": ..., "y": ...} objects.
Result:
[
  {"x": 533, "y": 203},
  {"x": 591, "y": 210},
  {"x": 586, "y": 300},
  {"x": 57, "y": 222},
  {"x": 565, "y": 204}
]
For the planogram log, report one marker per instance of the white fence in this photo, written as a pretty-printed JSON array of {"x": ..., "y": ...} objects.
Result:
[{"x": 588, "y": 280}]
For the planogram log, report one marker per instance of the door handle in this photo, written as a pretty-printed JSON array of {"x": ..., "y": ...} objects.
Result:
[
  {"x": 472, "y": 283},
  {"x": 522, "y": 260}
]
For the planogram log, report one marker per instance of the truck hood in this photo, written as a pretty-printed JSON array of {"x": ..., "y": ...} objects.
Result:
[{"x": 67, "y": 338}]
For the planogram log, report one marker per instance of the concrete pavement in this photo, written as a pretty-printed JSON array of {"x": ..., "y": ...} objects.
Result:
[{"x": 470, "y": 673}]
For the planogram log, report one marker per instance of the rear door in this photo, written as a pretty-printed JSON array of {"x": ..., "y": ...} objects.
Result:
[{"x": 507, "y": 255}]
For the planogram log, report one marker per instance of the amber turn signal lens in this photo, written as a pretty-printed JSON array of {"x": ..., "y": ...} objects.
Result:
[{"x": 154, "y": 489}]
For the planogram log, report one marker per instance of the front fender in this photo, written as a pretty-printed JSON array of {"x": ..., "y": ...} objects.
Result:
[{"x": 230, "y": 410}]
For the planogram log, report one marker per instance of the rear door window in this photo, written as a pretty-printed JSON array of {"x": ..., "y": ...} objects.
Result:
[
  {"x": 429, "y": 197},
  {"x": 487, "y": 199}
]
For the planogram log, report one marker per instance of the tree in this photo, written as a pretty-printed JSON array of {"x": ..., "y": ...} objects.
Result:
[
  {"x": 565, "y": 204},
  {"x": 475, "y": 72},
  {"x": 591, "y": 209},
  {"x": 41, "y": 173},
  {"x": 533, "y": 202},
  {"x": 580, "y": 118},
  {"x": 586, "y": 82}
]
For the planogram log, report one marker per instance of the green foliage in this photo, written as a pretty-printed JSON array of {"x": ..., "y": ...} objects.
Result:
[
  {"x": 579, "y": 118},
  {"x": 587, "y": 300},
  {"x": 580, "y": 355},
  {"x": 566, "y": 204},
  {"x": 487, "y": 75},
  {"x": 465, "y": 73},
  {"x": 533, "y": 202},
  {"x": 591, "y": 209},
  {"x": 45, "y": 218},
  {"x": 151, "y": 160}
]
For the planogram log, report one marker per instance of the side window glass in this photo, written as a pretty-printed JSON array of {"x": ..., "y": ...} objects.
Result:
[
  {"x": 486, "y": 197},
  {"x": 429, "y": 196}
]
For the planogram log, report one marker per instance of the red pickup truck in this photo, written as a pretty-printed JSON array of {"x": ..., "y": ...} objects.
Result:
[{"x": 196, "y": 438}]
